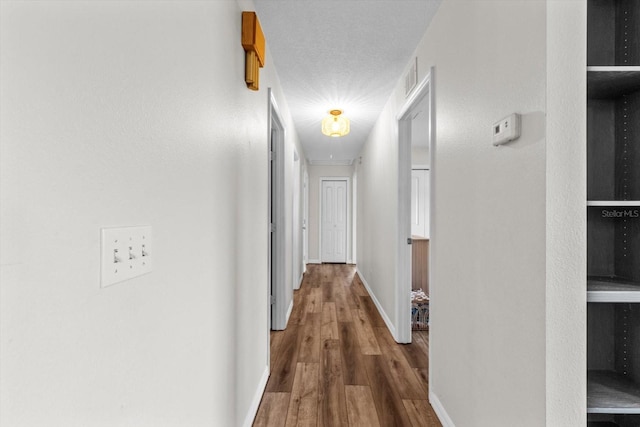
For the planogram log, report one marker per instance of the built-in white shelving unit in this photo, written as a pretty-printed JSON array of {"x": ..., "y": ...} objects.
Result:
[{"x": 613, "y": 213}]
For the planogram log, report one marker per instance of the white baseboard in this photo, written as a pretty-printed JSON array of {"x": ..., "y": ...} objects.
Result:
[
  {"x": 444, "y": 418},
  {"x": 299, "y": 282},
  {"x": 386, "y": 319},
  {"x": 289, "y": 311},
  {"x": 314, "y": 261},
  {"x": 257, "y": 397}
]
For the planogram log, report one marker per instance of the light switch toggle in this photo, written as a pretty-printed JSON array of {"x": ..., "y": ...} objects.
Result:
[{"x": 117, "y": 243}]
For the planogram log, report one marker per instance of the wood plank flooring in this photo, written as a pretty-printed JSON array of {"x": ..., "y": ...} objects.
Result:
[{"x": 336, "y": 364}]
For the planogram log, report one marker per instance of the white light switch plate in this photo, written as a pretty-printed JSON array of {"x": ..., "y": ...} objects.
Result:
[{"x": 127, "y": 252}]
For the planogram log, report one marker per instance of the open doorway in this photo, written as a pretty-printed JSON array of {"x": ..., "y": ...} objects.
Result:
[
  {"x": 296, "y": 230},
  {"x": 305, "y": 222},
  {"x": 276, "y": 224},
  {"x": 415, "y": 179}
]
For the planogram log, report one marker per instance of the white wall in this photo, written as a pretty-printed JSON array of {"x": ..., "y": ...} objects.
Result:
[
  {"x": 131, "y": 113},
  {"x": 315, "y": 173},
  {"x": 566, "y": 330},
  {"x": 420, "y": 156},
  {"x": 501, "y": 305},
  {"x": 377, "y": 209}
]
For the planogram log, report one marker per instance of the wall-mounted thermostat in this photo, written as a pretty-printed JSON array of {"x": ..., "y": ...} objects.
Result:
[{"x": 506, "y": 129}]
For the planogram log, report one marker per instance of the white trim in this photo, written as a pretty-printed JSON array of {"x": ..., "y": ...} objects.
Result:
[
  {"x": 314, "y": 261},
  {"x": 288, "y": 315},
  {"x": 277, "y": 310},
  {"x": 296, "y": 223},
  {"x": 257, "y": 397},
  {"x": 444, "y": 418},
  {"x": 415, "y": 97},
  {"x": 354, "y": 217},
  {"x": 300, "y": 281},
  {"x": 296, "y": 227},
  {"x": 386, "y": 318},
  {"x": 348, "y": 216},
  {"x": 403, "y": 224},
  {"x": 305, "y": 220},
  {"x": 432, "y": 203}
]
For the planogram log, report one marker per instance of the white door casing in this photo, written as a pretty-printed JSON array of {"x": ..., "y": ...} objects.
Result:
[
  {"x": 305, "y": 222},
  {"x": 403, "y": 250},
  {"x": 296, "y": 234},
  {"x": 354, "y": 217},
  {"x": 333, "y": 220},
  {"x": 276, "y": 220}
]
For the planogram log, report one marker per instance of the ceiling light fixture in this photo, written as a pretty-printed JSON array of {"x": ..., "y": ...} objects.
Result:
[{"x": 335, "y": 124}]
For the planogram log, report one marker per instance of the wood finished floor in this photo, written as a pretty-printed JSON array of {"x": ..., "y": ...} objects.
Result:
[{"x": 336, "y": 364}]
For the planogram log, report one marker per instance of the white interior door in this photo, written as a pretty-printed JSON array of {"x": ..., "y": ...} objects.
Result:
[
  {"x": 296, "y": 230},
  {"x": 334, "y": 221},
  {"x": 420, "y": 202},
  {"x": 305, "y": 221}
]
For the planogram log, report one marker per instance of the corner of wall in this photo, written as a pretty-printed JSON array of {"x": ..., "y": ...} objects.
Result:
[
  {"x": 257, "y": 398},
  {"x": 440, "y": 411},
  {"x": 383, "y": 314}
]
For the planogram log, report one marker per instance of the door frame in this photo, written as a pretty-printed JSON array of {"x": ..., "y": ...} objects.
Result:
[
  {"x": 403, "y": 248},
  {"x": 277, "y": 311},
  {"x": 305, "y": 222},
  {"x": 348, "y": 215},
  {"x": 354, "y": 218},
  {"x": 296, "y": 227}
]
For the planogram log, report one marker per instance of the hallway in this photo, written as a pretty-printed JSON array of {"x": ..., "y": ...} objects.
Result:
[{"x": 336, "y": 364}]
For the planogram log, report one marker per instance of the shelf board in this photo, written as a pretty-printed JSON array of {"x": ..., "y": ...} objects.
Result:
[
  {"x": 613, "y": 68},
  {"x": 612, "y": 82},
  {"x": 611, "y": 393},
  {"x": 606, "y": 203},
  {"x": 612, "y": 290}
]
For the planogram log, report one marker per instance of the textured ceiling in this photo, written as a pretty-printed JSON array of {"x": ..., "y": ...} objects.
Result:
[{"x": 344, "y": 54}]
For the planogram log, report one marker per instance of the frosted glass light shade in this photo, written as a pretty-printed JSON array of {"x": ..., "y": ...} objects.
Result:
[{"x": 335, "y": 124}]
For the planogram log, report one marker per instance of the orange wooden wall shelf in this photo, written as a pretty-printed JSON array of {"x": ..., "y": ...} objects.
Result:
[{"x": 254, "y": 45}]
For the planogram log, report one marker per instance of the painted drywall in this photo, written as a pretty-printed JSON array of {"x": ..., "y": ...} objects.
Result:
[
  {"x": 315, "y": 173},
  {"x": 420, "y": 156},
  {"x": 498, "y": 214},
  {"x": 118, "y": 114},
  {"x": 377, "y": 202},
  {"x": 488, "y": 240},
  {"x": 566, "y": 217}
]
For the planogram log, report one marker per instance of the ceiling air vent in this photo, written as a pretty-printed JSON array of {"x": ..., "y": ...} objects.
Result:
[{"x": 411, "y": 79}]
